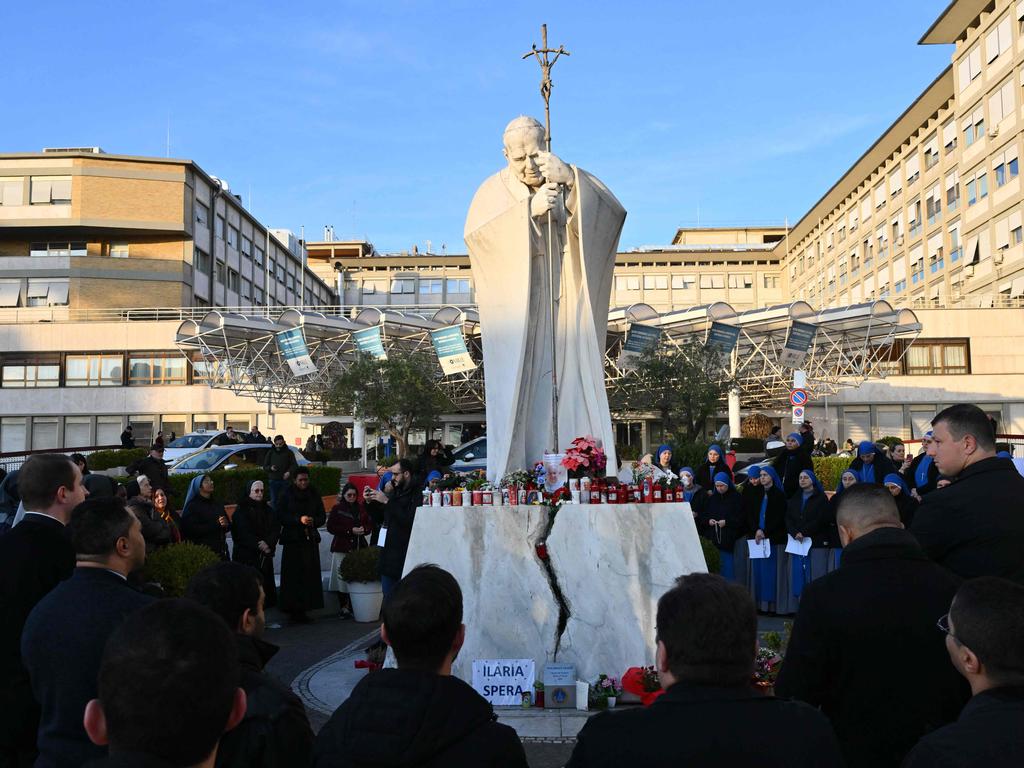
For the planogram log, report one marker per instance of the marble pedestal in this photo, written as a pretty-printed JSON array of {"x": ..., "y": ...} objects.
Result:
[{"x": 611, "y": 562}]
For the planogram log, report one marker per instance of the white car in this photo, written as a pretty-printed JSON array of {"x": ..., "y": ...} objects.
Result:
[
  {"x": 188, "y": 444},
  {"x": 241, "y": 456}
]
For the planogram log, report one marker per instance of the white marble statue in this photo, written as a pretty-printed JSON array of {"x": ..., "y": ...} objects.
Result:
[{"x": 505, "y": 233}]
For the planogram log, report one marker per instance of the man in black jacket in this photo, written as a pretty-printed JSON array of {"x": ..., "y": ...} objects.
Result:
[
  {"x": 709, "y": 715},
  {"x": 168, "y": 688},
  {"x": 153, "y": 467},
  {"x": 34, "y": 557},
  {"x": 128, "y": 438},
  {"x": 279, "y": 464},
  {"x": 396, "y": 515},
  {"x": 983, "y": 636},
  {"x": 864, "y": 646},
  {"x": 64, "y": 636},
  {"x": 275, "y": 730},
  {"x": 418, "y": 714},
  {"x": 975, "y": 526}
]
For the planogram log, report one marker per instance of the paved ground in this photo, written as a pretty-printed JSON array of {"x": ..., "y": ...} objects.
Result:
[{"x": 305, "y": 647}]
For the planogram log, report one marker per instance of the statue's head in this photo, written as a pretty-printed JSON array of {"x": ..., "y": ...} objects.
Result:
[{"x": 524, "y": 141}]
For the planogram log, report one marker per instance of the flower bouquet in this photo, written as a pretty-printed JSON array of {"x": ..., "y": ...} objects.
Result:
[
  {"x": 604, "y": 692},
  {"x": 642, "y": 683},
  {"x": 584, "y": 457},
  {"x": 641, "y": 470},
  {"x": 767, "y": 664}
]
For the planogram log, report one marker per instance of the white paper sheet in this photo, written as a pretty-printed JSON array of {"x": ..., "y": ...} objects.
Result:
[
  {"x": 795, "y": 547},
  {"x": 759, "y": 551}
]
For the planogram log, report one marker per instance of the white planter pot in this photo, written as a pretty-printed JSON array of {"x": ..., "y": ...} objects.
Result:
[{"x": 367, "y": 597}]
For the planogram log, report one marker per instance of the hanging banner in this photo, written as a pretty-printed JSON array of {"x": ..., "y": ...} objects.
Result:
[
  {"x": 451, "y": 350},
  {"x": 798, "y": 341},
  {"x": 723, "y": 337},
  {"x": 640, "y": 340},
  {"x": 370, "y": 341},
  {"x": 292, "y": 345}
]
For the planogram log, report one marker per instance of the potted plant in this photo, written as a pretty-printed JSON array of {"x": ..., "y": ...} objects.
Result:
[
  {"x": 606, "y": 691},
  {"x": 360, "y": 571}
]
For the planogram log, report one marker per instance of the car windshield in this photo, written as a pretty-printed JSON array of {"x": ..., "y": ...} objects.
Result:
[
  {"x": 203, "y": 459},
  {"x": 189, "y": 441},
  {"x": 478, "y": 449}
]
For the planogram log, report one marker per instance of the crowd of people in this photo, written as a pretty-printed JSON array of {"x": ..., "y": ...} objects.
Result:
[{"x": 907, "y": 647}]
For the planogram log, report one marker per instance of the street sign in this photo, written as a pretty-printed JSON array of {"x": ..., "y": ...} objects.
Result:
[
  {"x": 798, "y": 397},
  {"x": 798, "y": 414}
]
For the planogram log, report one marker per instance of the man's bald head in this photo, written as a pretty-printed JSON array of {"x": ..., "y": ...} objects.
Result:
[
  {"x": 863, "y": 508},
  {"x": 523, "y": 124}
]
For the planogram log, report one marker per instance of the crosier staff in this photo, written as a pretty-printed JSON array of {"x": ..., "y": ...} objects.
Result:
[{"x": 542, "y": 55}]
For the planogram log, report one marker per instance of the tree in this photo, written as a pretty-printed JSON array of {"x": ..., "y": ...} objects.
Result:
[
  {"x": 399, "y": 394},
  {"x": 683, "y": 387}
]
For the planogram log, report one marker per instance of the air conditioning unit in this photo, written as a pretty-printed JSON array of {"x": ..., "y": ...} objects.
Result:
[
  {"x": 969, "y": 271},
  {"x": 899, "y": 241},
  {"x": 998, "y": 256},
  {"x": 993, "y": 132}
]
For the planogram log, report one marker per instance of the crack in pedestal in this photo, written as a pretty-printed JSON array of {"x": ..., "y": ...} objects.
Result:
[{"x": 564, "y": 609}]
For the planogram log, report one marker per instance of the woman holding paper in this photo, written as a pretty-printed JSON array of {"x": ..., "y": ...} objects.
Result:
[
  {"x": 767, "y": 548},
  {"x": 807, "y": 526},
  {"x": 721, "y": 521}
]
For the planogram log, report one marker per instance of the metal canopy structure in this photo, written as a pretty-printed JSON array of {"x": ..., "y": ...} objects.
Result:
[{"x": 850, "y": 345}]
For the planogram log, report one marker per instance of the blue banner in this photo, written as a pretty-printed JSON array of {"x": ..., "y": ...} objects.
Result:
[
  {"x": 452, "y": 353},
  {"x": 370, "y": 341},
  {"x": 292, "y": 346},
  {"x": 723, "y": 337}
]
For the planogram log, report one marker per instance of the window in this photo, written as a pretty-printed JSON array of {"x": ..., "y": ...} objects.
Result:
[
  {"x": 741, "y": 281},
  {"x": 842, "y": 233},
  {"x": 655, "y": 282},
  {"x": 969, "y": 67},
  {"x": 914, "y": 217},
  {"x": 93, "y": 370},
  {"x": 58, "y": 249},
  {"x": 955, "y": 249},
  {"x": 879, "y": 194},
  {"x": 12, "y": 190},
  {"x": 202, "y": 214},
  {"x": 201, "y": 262},
  {"x": 933, "y": 204},
  {"x": 30, "y": 373},
  {"x": 1005, "y": 165},
  {"x": 233, "y": 236},
  {"x": 47, "y": 292},
  {"x": 770, "y": 281},
  {"x": 371, "y": 287},
  {"x": 974, "y": 127},
  {"x": 246, "y": 246},
  {"x": 403, "y": 286},
  {"x": 258, "y": 258},
  {"x": 627, "y": 283},
  {"x": 457, "y": 285},
  {"x": 931, "y": 151},
  {"x": 281, "y": 272},
  {"x": 50, "y": 190},
  {"x": 952, "y": 190},
  {"x": 257, "y": 296},
  {"x": 977, "y": 188},
  {"x": 931, "y": 358},
  {"x": 1008, "y": 231},
  {"x": 156, "y": 368},
  {"x": 998, "y": 40},
  {"x": 430, "y": 287},
  {"x": 221, "y": 275},
  {"x": 220, "y": 227},
  {"x": 949, "y": 136},
  {"x": 1000, "y": 103},
  {"x": 233, "y": 281},
  {"x": 895, "y": 182},
  {"x": 935, "y": 260},
  {"x": 913, "y": 168},
  {"x": 712, "y": 281},
  {"x": 119, "y": 250},
  {"x": 246, "y": 289}
]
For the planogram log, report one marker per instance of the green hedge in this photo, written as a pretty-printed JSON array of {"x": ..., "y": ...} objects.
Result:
[
  {"x": 829, "y": 468},
  {"x": 229, "y": 484},
  {"x": 174, "y": 566},
  {"x": 121, "y": 457}
]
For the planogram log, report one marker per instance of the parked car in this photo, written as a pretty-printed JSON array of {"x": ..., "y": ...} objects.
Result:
[
  {"x": 471, "y": 456},
  {"x": 241, "y": 456},
  {"x": 191, "y": 443}
]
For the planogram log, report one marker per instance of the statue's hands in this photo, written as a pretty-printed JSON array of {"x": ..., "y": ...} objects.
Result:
[
  {"x": 553, "y": 169},
  {"x": 544, "y": 199}
]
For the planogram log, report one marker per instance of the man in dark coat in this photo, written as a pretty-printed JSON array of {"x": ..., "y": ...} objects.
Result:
[
  {"x": 275, "y": 731},
  {"x": 864, "y": 646},
  {"x": 419, "y": 714},
  {"x": 871, "y": 465},
  {"x": 807, "y": 433},
  {"x": 127, "y": 438},
  {"x": 64, "y": 636},
  {"x": 396, "y": 515},
  {"x": 153, "y": 467},
  {"x": 168, "y": 688},
  {"x": 975, "y": 526},
  {"x": 280, "y": 464},
  {"x": 983, "y": 636},
  {"x": 709, "y": 713},
  {"x": 300, "y": 511},
  {"x": 34, "y": 558}
]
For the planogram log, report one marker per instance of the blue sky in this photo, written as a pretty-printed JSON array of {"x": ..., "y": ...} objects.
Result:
[{"x": 383, "y": 118}]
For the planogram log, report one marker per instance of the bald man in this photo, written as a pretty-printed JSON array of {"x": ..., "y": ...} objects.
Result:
[{"x": 865, "y": 648}]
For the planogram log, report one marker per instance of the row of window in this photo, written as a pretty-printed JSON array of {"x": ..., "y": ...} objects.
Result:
[
  {"x": 35, "y": 292},
  {"x": 408, "y": 285},
  {"x": 98, "y": 369},
  {"x": 42, "y": 190},
  {"x": 689, "y": 282}
]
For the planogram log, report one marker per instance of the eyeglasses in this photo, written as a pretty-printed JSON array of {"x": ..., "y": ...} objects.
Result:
[
  {"x": 943, "y": 625},
  {"x": 256, "y": 490}
]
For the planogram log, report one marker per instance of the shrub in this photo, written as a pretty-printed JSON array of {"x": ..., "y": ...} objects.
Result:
[
  {"x": 174, "y": 566},
  {"x": 889, "y": 441},
  {"x": 829, "y": 469},
  {"x": 120, "y": 457},
  {"x": 361, "y": 565},
  {"x": 712, "y": 556},
  {"x": 690, "y": 454}
]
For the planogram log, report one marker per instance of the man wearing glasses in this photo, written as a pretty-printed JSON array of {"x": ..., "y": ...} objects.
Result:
[{"x": 985, "y": 639}]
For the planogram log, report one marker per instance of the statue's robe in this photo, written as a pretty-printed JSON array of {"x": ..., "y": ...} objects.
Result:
[{"x": 508, "y": 253}]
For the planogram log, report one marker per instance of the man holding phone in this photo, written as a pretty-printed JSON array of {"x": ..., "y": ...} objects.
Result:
[{"x": 395, "y": 515}]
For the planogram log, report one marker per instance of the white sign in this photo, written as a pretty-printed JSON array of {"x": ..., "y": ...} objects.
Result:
[
  {"x": 292, "y": 345},
  {"x": 798, "y": 414},
  {"x": 504, "y": 681},
  {"x": 450, "y": 346},
  {"x": 799, "y": 379}
]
